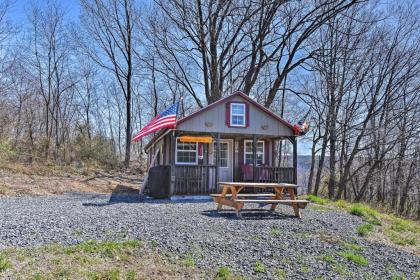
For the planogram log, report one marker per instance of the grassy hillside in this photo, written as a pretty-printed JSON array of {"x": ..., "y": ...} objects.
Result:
[{"x": 378, "y": 226}]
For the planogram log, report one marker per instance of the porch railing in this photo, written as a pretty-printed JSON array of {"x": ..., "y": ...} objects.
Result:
[
  {"x": 201, "y": 179},
  {"x": 270, "y": 174},
  {"x": 195, "y": 179}
]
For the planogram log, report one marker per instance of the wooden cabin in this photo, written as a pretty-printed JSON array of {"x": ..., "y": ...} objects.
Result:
[{"x": 233, "y": 139}]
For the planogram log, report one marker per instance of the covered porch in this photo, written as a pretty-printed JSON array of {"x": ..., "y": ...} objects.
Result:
[{"x": 197, "y": 167}]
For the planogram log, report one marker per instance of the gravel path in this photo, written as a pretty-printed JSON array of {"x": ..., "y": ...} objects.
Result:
[{"x": 279, "y": 241}]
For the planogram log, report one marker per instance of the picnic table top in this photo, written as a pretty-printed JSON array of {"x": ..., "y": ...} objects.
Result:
[{"x": 258, "y": 185}]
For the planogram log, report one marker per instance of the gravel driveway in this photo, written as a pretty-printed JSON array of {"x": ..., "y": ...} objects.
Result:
[{"x": 280, "y": 242}]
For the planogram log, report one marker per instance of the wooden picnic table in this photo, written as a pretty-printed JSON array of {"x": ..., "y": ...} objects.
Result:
[{"x": 231, "y": 196}]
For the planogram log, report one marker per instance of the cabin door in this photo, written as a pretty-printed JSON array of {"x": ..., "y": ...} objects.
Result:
[{"x": 226, "y": 160}]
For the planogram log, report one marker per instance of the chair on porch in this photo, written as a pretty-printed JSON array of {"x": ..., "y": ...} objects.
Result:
[
  {"x": 263, "y": 175},
  {"x": 247, "y": 172}
]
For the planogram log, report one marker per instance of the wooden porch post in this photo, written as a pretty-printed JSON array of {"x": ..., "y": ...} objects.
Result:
[
  {"x": 173, "y": 158},
  {"x": 217, "y": 157},
  {"x": 294, "y": 141},
  {"x": 254, "y": 157}
]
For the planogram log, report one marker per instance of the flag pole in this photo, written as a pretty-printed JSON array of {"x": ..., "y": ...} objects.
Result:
[{"x": 181, "y": 100}]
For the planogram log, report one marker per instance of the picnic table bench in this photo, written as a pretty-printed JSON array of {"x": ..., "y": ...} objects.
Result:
[{"x": 236, "y": 199}]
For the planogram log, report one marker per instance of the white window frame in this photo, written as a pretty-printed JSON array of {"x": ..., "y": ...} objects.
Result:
[
  {"x": 227, "y": 151},
  {"x": 186, "y": 163},
  {"x": 231, "y": 114},
  {"x": 263, "y": 152}
]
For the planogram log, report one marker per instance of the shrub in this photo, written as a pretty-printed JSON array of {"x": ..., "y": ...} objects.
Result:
[
  {"x": 6, "y": 151},
  {"x": 367, "y": 213},
  {"x": 223, "y": 273},
  {"x": 38, "y": 276},
  {"x": 356, "y": 258},
  {"x": 402, "y": 225},
  {"x": 343, "y": 204},
  {"x": 189, "y": 260},
  {"x": 260, "y": 267},
  {"x": 400, "y": 239},
  {"x": 280, "y": 274},
  {"x": 131, "y": 275},
  {"x": 398, "y": 277},
  {"x": 358, "y": 210},
  {"x": 352, "y": 246},
  {"x": 327, "y": 259},
  {"x": 4, "y": 263},
  {"x": 104, "y": 248},
  {"x": 364, "y": 229},
  {"x": 275, "y": 232},
  {"x": 317, "y": 199},
  {"x": 98, "y": 150}
]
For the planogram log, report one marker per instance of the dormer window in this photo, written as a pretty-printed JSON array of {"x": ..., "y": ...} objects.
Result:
[{"x": 237, "y": 114}]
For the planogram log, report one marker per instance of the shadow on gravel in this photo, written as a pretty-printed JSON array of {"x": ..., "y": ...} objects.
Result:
[
  {"x": 251, "y": 214},
  {"x": 125, "y": 194},
  {"x": 121, "y": 194}
]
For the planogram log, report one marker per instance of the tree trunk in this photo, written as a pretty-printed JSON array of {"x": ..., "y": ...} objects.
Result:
[{"x": 320, "y": 163}]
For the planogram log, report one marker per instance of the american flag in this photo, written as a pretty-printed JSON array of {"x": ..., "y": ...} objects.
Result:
[{"x": 166, "y": 119}]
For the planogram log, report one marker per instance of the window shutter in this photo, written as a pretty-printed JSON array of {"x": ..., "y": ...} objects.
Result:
[
  {"x": 266, "y": 152},
  {"x": 246, "y": 114},
  {"x": 227, "y": 114},
  {"x": 241, "y": 152}
]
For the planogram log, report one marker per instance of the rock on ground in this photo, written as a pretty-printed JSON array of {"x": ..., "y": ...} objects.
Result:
[{"x": 284, "y": 245}]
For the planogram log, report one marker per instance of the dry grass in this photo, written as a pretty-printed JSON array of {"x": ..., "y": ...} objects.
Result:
[
  {"x": 94, "y": 260},
  {"x": 379, "y": 226},
  {"x": 17, "y": 179}
]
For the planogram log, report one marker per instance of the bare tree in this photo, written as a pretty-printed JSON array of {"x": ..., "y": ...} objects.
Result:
[
  {"x": 214, "y": 46},
  {"x": 110, "y": 25},
  {"x": 50, "y": 62}
]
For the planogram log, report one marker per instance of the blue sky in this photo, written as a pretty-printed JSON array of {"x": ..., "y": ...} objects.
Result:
[{"x": 19, "y": 10}]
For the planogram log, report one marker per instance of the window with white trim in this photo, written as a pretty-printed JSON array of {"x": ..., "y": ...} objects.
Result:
[
  {"x": 248, "y": 154},
  {"x": 224, "y": 154},
  {"x": 237, "y": 114},
  {"x": 186, "y": 152}
]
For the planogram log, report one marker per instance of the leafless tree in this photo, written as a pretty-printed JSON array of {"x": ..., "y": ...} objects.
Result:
[{"x": 110, "y": 24}]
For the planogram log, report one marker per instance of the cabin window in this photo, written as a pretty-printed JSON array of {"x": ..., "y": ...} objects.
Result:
[
  {"x": 224, "y": 154},
  {"x": 248, "y": 155},
  {"x": 237, "y": 114},
  {"x": 186, "y": 152}
]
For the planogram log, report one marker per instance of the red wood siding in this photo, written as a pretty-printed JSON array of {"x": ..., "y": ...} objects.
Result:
[
  {"x": 227, "y": 115},
  {"x": 246, "y": 114},
  {"x": 266, "y": 152}
]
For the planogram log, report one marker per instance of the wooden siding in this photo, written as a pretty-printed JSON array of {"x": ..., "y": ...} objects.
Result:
[
  {"x": 213, "y": 120},
  {"x": 195, "y": 179}
]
